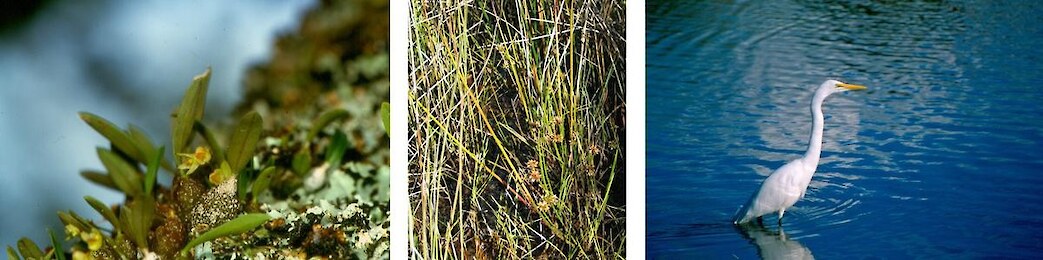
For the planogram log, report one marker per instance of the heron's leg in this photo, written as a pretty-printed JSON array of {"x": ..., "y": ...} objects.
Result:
[{"x": 781, "y": 212}]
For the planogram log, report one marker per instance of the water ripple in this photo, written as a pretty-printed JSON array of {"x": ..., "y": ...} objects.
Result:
[{"x": 939, "y": 158}]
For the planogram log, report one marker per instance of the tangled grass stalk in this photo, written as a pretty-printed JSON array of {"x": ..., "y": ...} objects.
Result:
[{"x": 516, "y": 133}]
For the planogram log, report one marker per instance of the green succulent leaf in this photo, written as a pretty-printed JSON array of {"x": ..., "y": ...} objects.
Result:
[
  {"x": 142, "y": 216},
  {"x": 325, "y": 119},
  {"x": 141, "y": 141},
  {"x": 335, "y": 152},
  {"x": 29, "y": 249},
  {"x": 153, "y": 168},
  {"x": 83, "y": 221},
  {"x": 242, "y": 186},
  {"x": 385, "y": 115},
  {"x": 59, "y": 250},
  {"x": 244, "y": 179},
  {"x": 99, "y": 178},
  {"x": 123, "y": 174},
  {"x": 190, "y": 111},
  {"x": 104, "y": 210},
  {"x": 235, "y": 226},
  {"x": 11, "y": 254},
  {"x": 119, "y": 139},
  {"x": 263, "y": 180},
  {"x": 136, "y": 218},
  {"x": 244, "y": 141},
  {"x": 144, "y": 143},
  {"x": 68, "y": 219},
  {"x": 125, "y": 222},
  {"x": 302, "y": 162}
]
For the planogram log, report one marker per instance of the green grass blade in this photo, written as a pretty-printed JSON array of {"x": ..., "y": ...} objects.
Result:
[
  {"x": 59, "y": 250},
  {"x": 232, "y": 227},
  {"x": 119, "y": 139},
  {"x": 244, "y": 141},
  {"x": 153, "y": 168},
  {"x": 190, "y": 111},
  {"x": 604, "y": 200},
  {"x": 385, "y": 115},
  {"x": 325, "y": 119}
]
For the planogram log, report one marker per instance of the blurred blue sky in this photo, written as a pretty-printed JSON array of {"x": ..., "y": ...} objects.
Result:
[{"x": 128, "y": 61}]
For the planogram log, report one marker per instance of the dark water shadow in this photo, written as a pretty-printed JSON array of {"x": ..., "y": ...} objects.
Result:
[
  {"x": 773, "y": 244},
  {"x": 692, "y": 230}
]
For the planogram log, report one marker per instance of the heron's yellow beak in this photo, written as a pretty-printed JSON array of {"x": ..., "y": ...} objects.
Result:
[{"x": 851, "y": 86}]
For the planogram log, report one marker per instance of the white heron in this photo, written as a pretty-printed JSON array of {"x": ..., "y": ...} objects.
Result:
[{"x": 787, "y": 184}]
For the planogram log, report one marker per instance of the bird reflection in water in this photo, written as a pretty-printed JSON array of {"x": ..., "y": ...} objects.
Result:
[{"x": 773, "y": 244}]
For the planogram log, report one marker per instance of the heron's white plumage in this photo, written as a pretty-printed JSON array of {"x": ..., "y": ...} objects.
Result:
[{"x": 787, "y": 184}]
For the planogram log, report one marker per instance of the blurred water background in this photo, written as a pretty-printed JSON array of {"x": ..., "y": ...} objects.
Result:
[
  {"x": 941, "y": 158},
  {"x": 127, "y": 61}
]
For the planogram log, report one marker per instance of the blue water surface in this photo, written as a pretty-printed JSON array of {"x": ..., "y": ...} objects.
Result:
[{"x": 940, "y": 158}]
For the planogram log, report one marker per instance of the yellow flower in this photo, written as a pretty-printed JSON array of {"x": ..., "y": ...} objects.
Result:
[
  {"x": 556, "y": 138},
  {"x": 542, "y": 206},
  {"x": 534, "y": 175},
  {"x": 548, "y": 201},
  {"x": 589, "y": 169},
  {"x": 220, "y": 175},
  {"x": 94, "y": 239},
  {"x": 192, "y": 161},
  {"x": 532, "y": 164},
  {"x": 80, "y": 255},
  {"x": 216, "y": 177},
  {"x": 72, "y": 231}
]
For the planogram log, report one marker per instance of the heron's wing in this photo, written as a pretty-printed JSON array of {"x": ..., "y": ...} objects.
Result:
[
  {"x": 778, "y": 191},
  {"x": 762, "y": 201},
  {"x": 788, "y": 180}
]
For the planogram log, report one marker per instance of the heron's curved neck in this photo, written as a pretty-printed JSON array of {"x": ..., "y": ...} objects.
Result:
[{"x": 815, "y": 143}]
